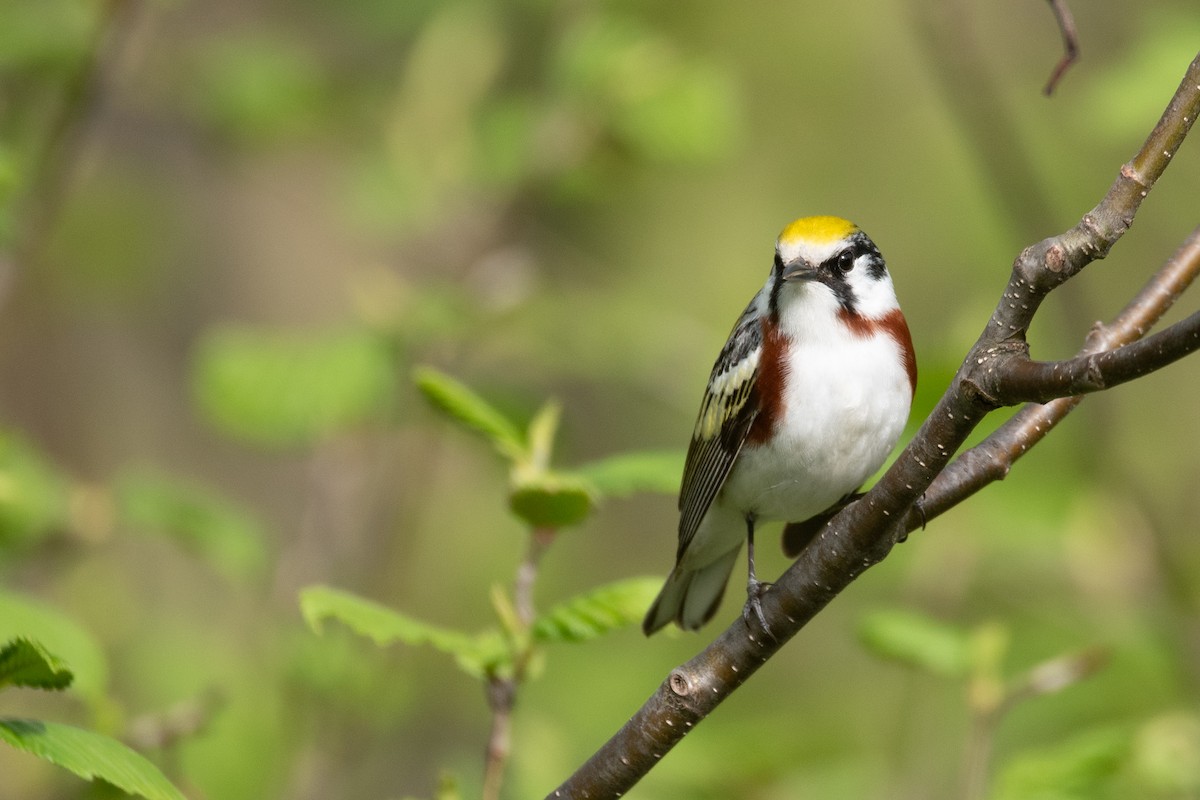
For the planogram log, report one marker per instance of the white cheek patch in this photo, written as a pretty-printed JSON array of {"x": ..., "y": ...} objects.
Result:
[{"x": 875, "y": 296}]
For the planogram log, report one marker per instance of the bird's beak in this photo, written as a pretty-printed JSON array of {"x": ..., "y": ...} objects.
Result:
[{"x": 799, "y": 270}]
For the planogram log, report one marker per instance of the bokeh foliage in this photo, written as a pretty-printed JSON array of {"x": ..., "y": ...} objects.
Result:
[{"x": 229, "y": 231}]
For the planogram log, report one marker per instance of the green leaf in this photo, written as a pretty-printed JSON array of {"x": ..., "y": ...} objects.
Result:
[
  {"x": 33, "y": 495},
  {"x": 604, "y": 609},
  {"x": 258, "y": 89},
  {"x": 688, "y": 116},
  {"x": 467, "y": 408},
  {"x": 551, "y": 500},
  {"x": 476, "y": 655},
  {"x": 90, "y": 756},
  {"x": 43, "y": 39},
  {"x": 917, "y": 641},
  {"x": 448, "y": 788},
  {"x": 1078, "y": 770},
  {"x": 1166, "y": 754},
  {"x": 630, "y": 473},
  {"x": 24, "y": 662},
  {"x": 542, "y": 430},
  {"x": 656, "y": 101},
  {"x": 24, "y": 619},
  {"x": 286, "y": 389},
  {"x": 201, "y": 521}
]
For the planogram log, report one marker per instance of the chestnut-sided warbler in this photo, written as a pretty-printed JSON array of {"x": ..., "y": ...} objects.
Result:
[{"x": 805, "y": 402}]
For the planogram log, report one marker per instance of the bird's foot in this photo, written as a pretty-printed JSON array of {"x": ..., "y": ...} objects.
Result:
[{"x": 755, "y": 589}]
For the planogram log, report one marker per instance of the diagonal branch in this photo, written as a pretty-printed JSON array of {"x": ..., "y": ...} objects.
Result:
[
  {"x": 864, "y": 532},
  {"x": 992, "y": 458}
]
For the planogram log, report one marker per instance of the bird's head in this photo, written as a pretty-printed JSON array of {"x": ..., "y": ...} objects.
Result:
[{"x": 828, "y": 263}]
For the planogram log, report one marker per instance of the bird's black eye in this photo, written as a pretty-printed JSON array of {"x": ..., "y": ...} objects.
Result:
[{"x": 845, "y": 260}]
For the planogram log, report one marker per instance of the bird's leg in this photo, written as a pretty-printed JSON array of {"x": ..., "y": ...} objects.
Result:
[{"x": 754, "y": 587}]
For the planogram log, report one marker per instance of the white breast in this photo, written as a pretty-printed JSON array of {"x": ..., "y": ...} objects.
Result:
[{"x": 846, "y": 401}]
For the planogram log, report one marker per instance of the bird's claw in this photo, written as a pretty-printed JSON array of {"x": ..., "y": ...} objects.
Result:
[{"x": 755, "y": 589}]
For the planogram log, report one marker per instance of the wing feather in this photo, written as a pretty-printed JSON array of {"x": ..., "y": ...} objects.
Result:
[{"x": 727, "y": 411}]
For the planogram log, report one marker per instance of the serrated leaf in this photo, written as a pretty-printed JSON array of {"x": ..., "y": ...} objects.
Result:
[
  {"x": 464, "y": 406},
  {"x": 475, "y": 654},
  {"x": 630, "y": 473},
  {"x": 600, "y": 611},
  {"x": 21, "y": 618},
  {"x": 285, "y": 389},
  {"x": 24, "y": 662},
  {"x": 198, "y": 519},
  {"x": 917, "y": 641},
  {"x": 551, "y": 500},
  {"x": 90, "y": 756}
]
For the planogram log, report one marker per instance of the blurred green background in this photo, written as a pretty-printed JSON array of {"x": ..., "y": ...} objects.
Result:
[{"x": 230, "y": 230}]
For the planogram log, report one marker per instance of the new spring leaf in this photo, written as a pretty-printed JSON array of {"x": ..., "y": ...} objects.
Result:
[
  {"x": 600, "y": 611},
  {"x": 24, "y": 662},
  {"x": 475, "y": 654},
  {"x": 471, "y": 411}
]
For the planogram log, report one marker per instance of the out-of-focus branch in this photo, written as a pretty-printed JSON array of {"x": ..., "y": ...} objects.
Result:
[
  {"x": 62, "y": 148},
  {"x": 502, "y": 688},
  {"x": 864, "y": 532},
  {"x": 1066, "y": 26}
]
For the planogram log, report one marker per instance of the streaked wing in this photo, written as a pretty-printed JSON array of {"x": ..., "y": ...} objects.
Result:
[{"x": 726, "y": 414}]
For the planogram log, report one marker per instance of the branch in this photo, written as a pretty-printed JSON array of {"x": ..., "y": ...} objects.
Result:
[
  {"x": 501, "y": 688},
  {"x": 864, "y": 532},
  {"x": 1066, "y": 26},
  {"x": 1041, "y": 382},
  {"x": 992, "y": 458}
]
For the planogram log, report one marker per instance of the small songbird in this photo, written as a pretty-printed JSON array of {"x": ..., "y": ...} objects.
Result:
[{"x": 806, "y": 400}]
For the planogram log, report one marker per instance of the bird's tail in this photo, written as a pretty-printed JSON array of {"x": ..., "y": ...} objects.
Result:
[{"x": 690, "y": 597}]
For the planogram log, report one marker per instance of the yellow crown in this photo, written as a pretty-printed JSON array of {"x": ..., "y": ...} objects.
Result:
[{"x": 818, "y": 230}]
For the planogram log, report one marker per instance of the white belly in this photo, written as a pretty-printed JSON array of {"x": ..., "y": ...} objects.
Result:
[{"x": 842, "y": 415}]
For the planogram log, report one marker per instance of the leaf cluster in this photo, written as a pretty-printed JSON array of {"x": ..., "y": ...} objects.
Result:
[{"x": 27, "y": 663}]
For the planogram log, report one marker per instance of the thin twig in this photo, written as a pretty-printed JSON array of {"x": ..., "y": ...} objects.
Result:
[
  {"x": 502, "y": 689},
  {"x": 501, "y": 696},
  {"x": 1066, "y": 26}
]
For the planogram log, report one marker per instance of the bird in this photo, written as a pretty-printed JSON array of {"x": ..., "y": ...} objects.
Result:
[{"x": 805, "y": 401}]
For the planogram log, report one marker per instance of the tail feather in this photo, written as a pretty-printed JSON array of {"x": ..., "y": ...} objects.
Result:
[{"x": 690, "y": 598}]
